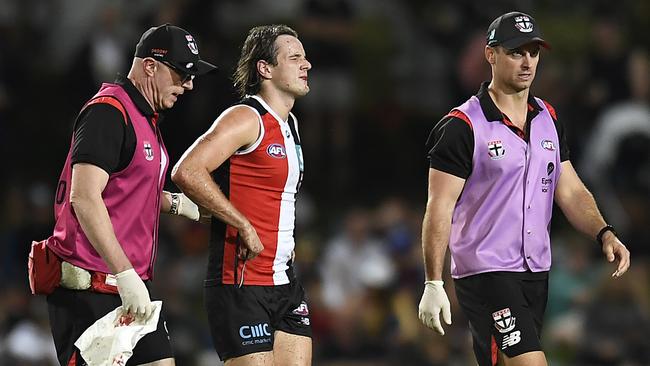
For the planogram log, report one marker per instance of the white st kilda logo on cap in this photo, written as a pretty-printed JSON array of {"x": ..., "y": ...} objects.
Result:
[
  {"x": 524, "y": 24},
  {"x": 191, "y": 44},
  {"x": 148, "y": 151}
]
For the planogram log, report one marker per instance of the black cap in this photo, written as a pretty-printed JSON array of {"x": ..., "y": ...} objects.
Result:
[
  {"x": 515, "y": 29},
  {"x": 175, "y": 46}
]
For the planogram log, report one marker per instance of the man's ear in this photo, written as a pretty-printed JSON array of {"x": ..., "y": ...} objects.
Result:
[
  {"x": 490, "y": 55},
  {"x": 149, "y": 66},
  {"x": 264, "y": 69}
]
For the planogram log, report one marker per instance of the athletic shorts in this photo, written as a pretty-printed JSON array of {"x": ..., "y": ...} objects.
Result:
[
  {"x": 73, "y": 311},
  {"x": 505, "y": 312},
  {"x": 243, "y": 320}
]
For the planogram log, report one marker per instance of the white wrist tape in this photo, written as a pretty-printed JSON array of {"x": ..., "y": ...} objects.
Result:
[{"x": 183, "y": 206}]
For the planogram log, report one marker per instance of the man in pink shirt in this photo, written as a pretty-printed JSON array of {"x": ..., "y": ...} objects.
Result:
[{"x": 110, "y": 195}]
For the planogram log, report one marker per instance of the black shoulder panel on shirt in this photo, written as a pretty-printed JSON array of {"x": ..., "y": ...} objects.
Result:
[
  {"x": 450, "y": 147},
  {"x": 252, "y": 102},
  {"x": 101, "y": 138}
]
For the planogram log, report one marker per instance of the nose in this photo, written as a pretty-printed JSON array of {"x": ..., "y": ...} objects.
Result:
[
  {"x": 189, "y": 84},
  {"x": 526, "y": 60},
  {"x": 307, "y": 65}
]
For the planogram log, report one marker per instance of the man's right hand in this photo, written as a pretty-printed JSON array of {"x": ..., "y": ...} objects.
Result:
[
  {"x": 134, "y": 294},
  {"x": 251, "y": 244},
  {"x": 434, "y": 299}
]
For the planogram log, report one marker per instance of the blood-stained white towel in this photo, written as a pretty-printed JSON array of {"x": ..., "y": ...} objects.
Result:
[{"x": 111, "y": 339}]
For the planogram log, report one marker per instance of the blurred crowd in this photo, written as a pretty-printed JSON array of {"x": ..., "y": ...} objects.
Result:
[{"x": 383, "y": 73}]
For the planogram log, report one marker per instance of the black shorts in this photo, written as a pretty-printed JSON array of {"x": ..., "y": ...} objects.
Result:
[
  {"x": 72, "y": 312},
  {"x": 243, "y": 320},
  {"x": 505, "y": 312}
]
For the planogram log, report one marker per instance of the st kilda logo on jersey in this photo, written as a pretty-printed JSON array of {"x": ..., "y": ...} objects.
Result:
[
  {"x": 276, "y": 151},
  {"x": 496, "y": 150},
  {"x": 148, "y": 151}
]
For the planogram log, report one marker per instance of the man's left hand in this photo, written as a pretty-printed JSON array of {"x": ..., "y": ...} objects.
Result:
[{"x": 614, "y": 249}]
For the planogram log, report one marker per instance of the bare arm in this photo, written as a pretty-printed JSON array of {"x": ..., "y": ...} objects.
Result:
[
  {"x": 88, "y": 182},
  {"x": 577, "y": 203},
  {"x": 579, "y": 207},
  {"x": 444, "y": 190},
  {"x": 237, "y": 128}
]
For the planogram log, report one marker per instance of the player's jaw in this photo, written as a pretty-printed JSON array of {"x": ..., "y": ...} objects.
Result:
[
  {"x": 296, "y": 86},
  {"x": 303, "y": 84}
]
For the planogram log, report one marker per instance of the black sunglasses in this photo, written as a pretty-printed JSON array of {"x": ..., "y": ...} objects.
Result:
[{"x": 185, "y": 77}]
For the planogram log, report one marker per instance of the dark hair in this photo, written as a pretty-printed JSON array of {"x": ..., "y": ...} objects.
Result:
[{"x": 259, "y": 45}]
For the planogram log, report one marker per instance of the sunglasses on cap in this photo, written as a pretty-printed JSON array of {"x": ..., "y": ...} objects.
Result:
[{"x": 185, "y": 77}]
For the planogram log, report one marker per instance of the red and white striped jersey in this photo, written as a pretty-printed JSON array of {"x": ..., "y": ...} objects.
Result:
[{"x": 261, "y": 182}]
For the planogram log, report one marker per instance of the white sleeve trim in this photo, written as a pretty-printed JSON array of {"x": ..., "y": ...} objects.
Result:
[{"x": 261, "y": 136}]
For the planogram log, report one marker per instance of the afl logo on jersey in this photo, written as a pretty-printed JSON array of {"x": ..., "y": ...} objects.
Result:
[
  {"x": 276, "y": 151},
  {"x": 148, "y": 151},
  {"x": 548, "y": 145}
]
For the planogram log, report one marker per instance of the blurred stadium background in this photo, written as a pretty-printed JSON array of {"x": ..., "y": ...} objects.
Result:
[{"x": 384, "y": 71}]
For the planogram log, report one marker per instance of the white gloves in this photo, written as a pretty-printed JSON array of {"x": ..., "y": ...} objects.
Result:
[
  {"x": 434, "y": 299},
  {"x": 183, "y": 206},
  {"x": 134, "y": 294}
]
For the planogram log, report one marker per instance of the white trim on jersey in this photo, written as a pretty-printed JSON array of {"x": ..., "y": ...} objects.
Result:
[
  {"x": 259, "y": 138},
  {"x": 259, "y": 119}
]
